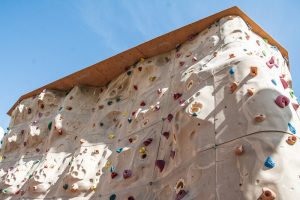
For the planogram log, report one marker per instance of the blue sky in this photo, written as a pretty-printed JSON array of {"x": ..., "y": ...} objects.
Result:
[{"x": 41, "y": 41}]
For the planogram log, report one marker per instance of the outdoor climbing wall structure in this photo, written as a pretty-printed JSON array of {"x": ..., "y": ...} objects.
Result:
[{"x": 214, "y": 118}]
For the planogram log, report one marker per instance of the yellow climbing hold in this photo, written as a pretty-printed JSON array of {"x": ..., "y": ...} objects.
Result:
[
  {"x": 152, "y": 78},
  {"x": 125, "y": 114},
  {"x": 142, "y": 59},
  {"x": 142, "y": 150},
  {"x": 93, "y": 188},
  {"x": 107, "y": 164},
  {"x": 111, "y": 136}
]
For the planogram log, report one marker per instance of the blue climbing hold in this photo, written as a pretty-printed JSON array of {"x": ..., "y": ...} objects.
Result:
[
  {"x": 269, "y": 163},
  {"x": 231, "y": 71},
  {"x": 112, "y": 169},
  {"x": 119, "y": 150},
  {"x": 274, "y": 82},
  {"x": 292, "y": 128},
  {"x": 112, "y": 197}
]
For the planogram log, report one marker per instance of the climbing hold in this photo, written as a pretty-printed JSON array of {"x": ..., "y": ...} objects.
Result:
[
  {"x": 111, "y": 136},
  {"x": 177, "y": 96},
  {"x": 129, "y": 120},
  {"x": 231, "y": 55},
  {"x": 142, "y": 150},
  {"x": 194, "y": 59},
  {"x": 172, "y": 154},
  {"x": 143, "y": 103},
  {"x": 284, "y": 83},
  {"x": 148, "y": 141},
  {"x": 160, "y": 164},
  {"x": 113, "y": 175},
  {"x": 170, "y": 117},
  {"x": 152, "y": 78},
  {"x": 291, "y": 140},
  {"x": 129, "y": 73},
  {"x": 295, "y": 106},
  {"x": 195, "y": 107},
  {"x": 260, "y": 118},
  {"x": 257, "y": 42},
  {"x": 109, "y": 103},
  {"x": 181, "y": 63},
  {"x": 93, "y": 188},
  {"x": 274, "y": 81},
  {"x": 113, "y": 197},
  {"x": 194, "y": 114},
  {"x": 292, "y": 128},
  {"x": 135, "y": 87},
  {"x": 130, "y": 198},
  {"x": 253, "y": 71},
  {"x": 107, "y": 164},
  {"x": 127, "y": 173},
  {"x": 179, "y": 185},
  {"x": 239, "y": 150},
  {"x": 82, "y": 141},
  {"x": 180, "y": 194},
  {"x": 142, "y": 59},
  {"x": 267, "y": 194},
  {"x": 65, "y": 186},
  {"x": 231, "y": 71},
  {"x": 233, "y": 87},
  {"x": 119, "y": 150},
  {"x": 49, "y": 126},
  {"x": 292, "y": 93},
  {"x": 271, "y": 62},
  {"x": 166, "y": 134},
  {"x": 282, "y": 101},
  {"x": 269, "y": 163},
  {"x": 250, "y": 91}
]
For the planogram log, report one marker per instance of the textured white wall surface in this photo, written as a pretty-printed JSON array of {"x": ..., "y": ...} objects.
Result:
[{"x": 215, "y": 118}]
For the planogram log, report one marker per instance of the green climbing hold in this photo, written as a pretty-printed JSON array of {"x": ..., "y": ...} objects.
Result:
[
  {"x": 4, "y": 191},
  {"x": 112, "y": 197},
  {"x": 65, "y": 186},
  {"x": 49, "y": 125}
]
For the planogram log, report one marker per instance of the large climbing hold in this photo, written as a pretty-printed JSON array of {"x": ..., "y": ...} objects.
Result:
[
  {"x": 271, "y": 62},
  {"x": 282, "y": 101},
  {"x": 160, "y": 164},
  {"x": 267, "y": 194}
]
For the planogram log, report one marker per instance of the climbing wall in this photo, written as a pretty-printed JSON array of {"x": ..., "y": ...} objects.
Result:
[{"x": 215, "y": 118}]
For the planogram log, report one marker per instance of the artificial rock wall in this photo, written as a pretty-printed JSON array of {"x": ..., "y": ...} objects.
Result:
[{"x": 216, "y": 118}]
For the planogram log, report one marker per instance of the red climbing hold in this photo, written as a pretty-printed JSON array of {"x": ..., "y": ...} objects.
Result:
[
  {"x": 284, "y": 83},
  {"x": 135, "y": 87},
  {"x": 166, "y": 134},
  {"x": 170, "y": 117},
  {"x": 148, "y": 141},
  {"x": 177, "y": 96},
  {"x": 160, "y": 164},
  {"x": 131, "y": 198},
  {"x": 282, "y": 101},
  {"x": 114, "y": 174},
  {"x": 127, "y": 173},
  {"x": 143, "y": 103}
]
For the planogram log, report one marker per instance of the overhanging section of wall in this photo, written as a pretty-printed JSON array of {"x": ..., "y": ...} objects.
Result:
[{"x": 101, "y": 73}]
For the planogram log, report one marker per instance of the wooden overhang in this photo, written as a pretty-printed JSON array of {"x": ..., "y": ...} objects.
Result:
[{"x": 102, "y": 72}]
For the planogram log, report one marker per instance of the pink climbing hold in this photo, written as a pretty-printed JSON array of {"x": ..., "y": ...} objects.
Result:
[
  {"x": 127, "y": 173},
  {"x": 284, "y": 83},
  {"x": 295, "y": 106},
  {"x": 160, "y": 164},
  {"x": 148, "y": 141},
  {"x": 282, "y": 101},
  {"x": 271, "y": 62},
  {"x": 170, "y": 117}
]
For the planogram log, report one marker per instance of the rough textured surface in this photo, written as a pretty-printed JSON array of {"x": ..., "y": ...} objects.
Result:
[{"x": 207, "y": 120}]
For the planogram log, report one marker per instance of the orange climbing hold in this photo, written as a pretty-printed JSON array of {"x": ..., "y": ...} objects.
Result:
[
  {"x": 233, "y": 87},
  {"x": 253, "y": 71},
  {"x": 267, "y": 194},
  {"x": 291, "y": 140}
]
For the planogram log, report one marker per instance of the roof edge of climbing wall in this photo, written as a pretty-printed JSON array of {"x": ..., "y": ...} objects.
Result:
[{"x": 104, "y": 71}]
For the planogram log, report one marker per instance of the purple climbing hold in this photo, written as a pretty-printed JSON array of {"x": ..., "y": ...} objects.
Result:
[
  {"x": 170, "y": 117},
  {"x": 282, "y": 101},
  {"x": 271, "y": 62},
  {"x": 166, "y": 134},
  {"x": 160, "y": 164},
  {"x": 177, "y": 96},
  {"x": 127, "y": 173},
  {"x": 148, "y": 141},
  {"x": 181, "y": 194}
]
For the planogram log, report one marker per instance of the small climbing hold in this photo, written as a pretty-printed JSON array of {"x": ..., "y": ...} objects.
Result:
[
  {"x": 239, "y": 150},
  {"x": 195, "y": 107},
  {"x": 295, "y": 106},
  {"x": 111, "y": 136},
  {"x": 49, "y": 125},
  {"x": 148, "y": 141},
  {"x": 170, "y": 117},
  {"x": 113, "y": 175},
  {"x": 250, "y": 91},
  {"x": 127, "y": 173},
  {"x": 29, "y": 111},
  {"x": 274, "y": 81},
  {"x": 82, "y": 141},
  {"x": 291, "y": 140},
  {"x": 129, "y": 73},
  {"x": 267, "y": 194},
  {"x": 292, "y": 128},
  {"x": 231, "y": 71},
  {"x": 107, "y": 164},
  {"x": 292, "y": 93},
  {"x": 130, "y": 198},
  {"x": 140, "y": 69},
  {"x": 271, "y": 62},
  {"x": 130, "y": 140},
  {"x": 260, "y": 118},
  {"x": 166, "y": 134},
  {"x": 119, "y": 150},
  {"x": 142, "y": 150},
  {"x": 181, "y": 63},
  {"x": 65, "y": 186},
  {"x": 194, "y": 114},
  {"x": 93, "y": 188},
  {"x": 194, "y": 59},
  {"x": 284, "y": 83},
  {"x": 257, "y": 42},
  {"x": 233, "y": 87},
  {"x": 160, "y": 164},
  {"x": 135, "y": 87},
  {"x": 142, "y": 59},
  {"x": 253, "y": 71},
  {"x": 69, "y": 108},
  {"x": 142, "y": 103},
  {"x": 113, "y": 197},
  {"x": 152, "y": 78},
  {"x": 177, "y": 96},
  {"x": 231, "y": 55},
  {"x": 180, "y": 194},
  {"x": 269, "y": 163},
  {"x": 282, "y": 101},
  {"x": 109, "y": 103},
  {"x": 129, "y": 120}
]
